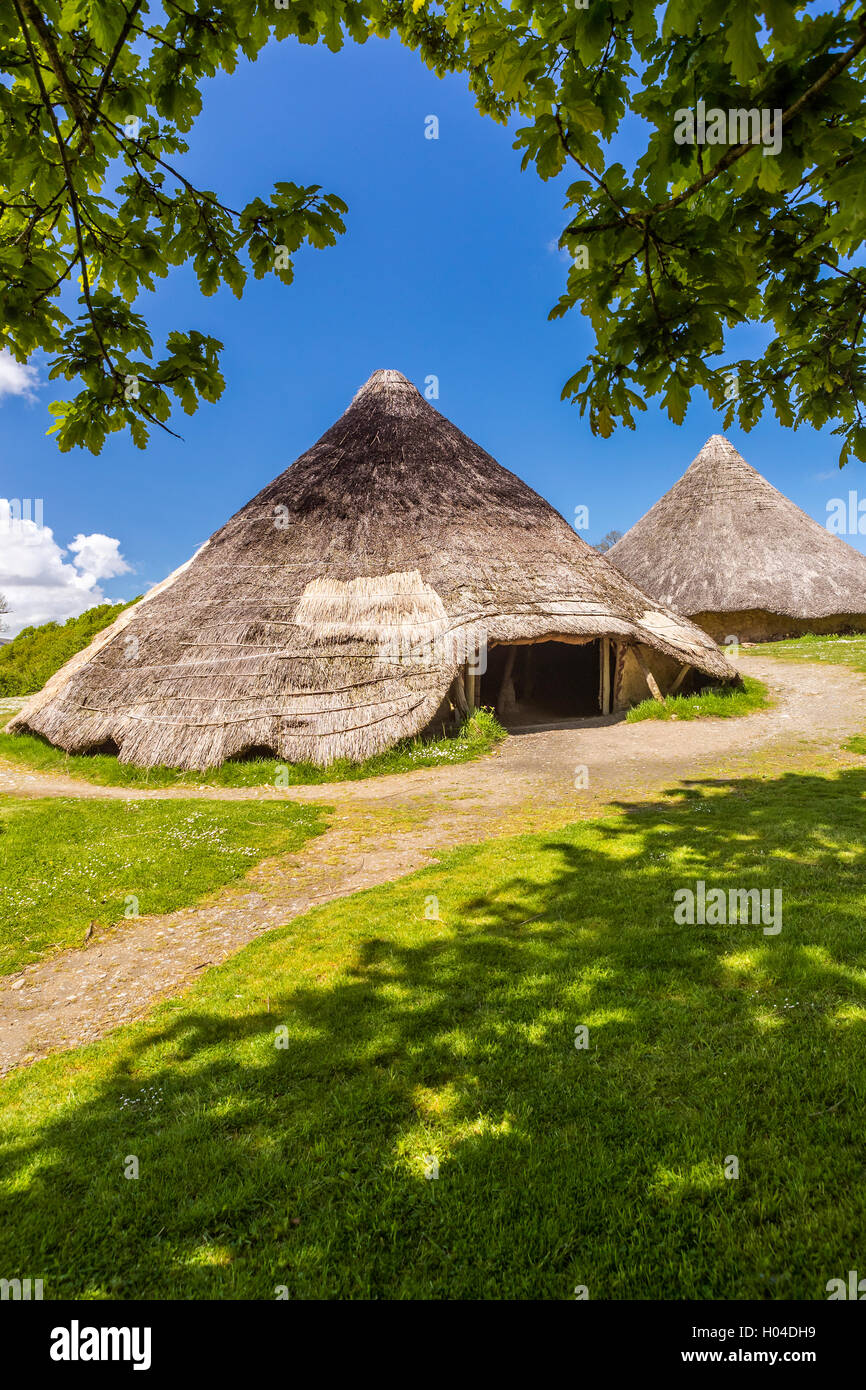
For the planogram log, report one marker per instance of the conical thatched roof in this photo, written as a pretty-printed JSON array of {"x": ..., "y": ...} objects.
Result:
[
  {"x": 280, "y": 632},
  {"x": 724, "y": 540}
]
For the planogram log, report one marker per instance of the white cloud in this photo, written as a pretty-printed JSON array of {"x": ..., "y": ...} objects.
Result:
[
  {"x": 41, "y": 585},
  {"x": 99, "y": 556},
  {"x": 17, "y": 378}
]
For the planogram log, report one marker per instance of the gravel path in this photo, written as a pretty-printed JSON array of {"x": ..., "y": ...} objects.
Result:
[{"x": 386, "y": 827}]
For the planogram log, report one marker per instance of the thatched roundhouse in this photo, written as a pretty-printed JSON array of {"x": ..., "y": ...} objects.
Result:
[
  {"x": 740, "y": 559},
  {"x": 345, "y": 606}
]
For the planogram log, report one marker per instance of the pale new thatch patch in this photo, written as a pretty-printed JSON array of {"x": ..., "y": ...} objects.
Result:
[
  {"x": 665, "y": 625},
  {"x": 381, "y": 608},
  {"x": 330, "y": 616}
]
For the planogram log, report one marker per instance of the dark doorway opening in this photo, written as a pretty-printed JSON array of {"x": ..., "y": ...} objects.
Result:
[
  {"x": 108, "y": 749},
  {"x": 551, "y": 681},
  {"x": 256, "y": 753}
]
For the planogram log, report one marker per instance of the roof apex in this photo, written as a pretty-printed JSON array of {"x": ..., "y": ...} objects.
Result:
[
  {"x": 386, "y": 379},
  {"x": 720, "y": 453}
]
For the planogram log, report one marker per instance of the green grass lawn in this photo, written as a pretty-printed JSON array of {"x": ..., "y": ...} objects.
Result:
[
  {"x": 840, "y": 651},
  {"x": 847, "y": 650},
  {"x": 64, "y": 863},
  {"x": 479, "y": 734},
  {"x": 410, "y": 1038},
  {"x": 716, "y": 702}
]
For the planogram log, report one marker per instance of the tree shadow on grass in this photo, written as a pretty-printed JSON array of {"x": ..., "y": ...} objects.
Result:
[{"x": 298, "y": 1159}]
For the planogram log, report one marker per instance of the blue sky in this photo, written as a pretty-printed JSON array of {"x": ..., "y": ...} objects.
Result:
[{"x": 448, "y": 267}]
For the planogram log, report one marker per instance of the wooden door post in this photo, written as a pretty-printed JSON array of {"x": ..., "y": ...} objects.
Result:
[{"x": 604, "y": 683}]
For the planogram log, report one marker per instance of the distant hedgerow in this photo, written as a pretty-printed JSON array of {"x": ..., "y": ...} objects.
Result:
[{"x": 28, "y": 661}]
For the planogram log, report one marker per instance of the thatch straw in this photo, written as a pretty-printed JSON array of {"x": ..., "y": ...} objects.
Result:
[
  {"x": 372, "y": 608},
  {"x": 728, "y": 549},
  {"x": 280, "y": 633}
]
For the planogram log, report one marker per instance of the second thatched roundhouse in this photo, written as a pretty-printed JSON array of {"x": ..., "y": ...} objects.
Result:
[
  {"x": 390, "y": 579},
  {"x": 741, "y": 559}
]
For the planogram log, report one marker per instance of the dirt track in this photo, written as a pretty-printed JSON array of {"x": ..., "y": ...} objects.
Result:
[{"x": 386, "y": 827}]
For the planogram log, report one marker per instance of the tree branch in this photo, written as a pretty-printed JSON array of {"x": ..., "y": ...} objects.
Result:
[
  {"x": 73, "y": 203},
  {"x": 110, "y": 65},
  {"x": 47, "y": 40},
  {"x": 730, "y": 158},
  {"x": 732, "y": 155}
]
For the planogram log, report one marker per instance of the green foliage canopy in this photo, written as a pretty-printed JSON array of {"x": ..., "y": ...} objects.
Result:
[
  {"x": 95, "y": 96},
  {"x": 672, "y": 249},
  {"x": 692, "y": 240}
]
